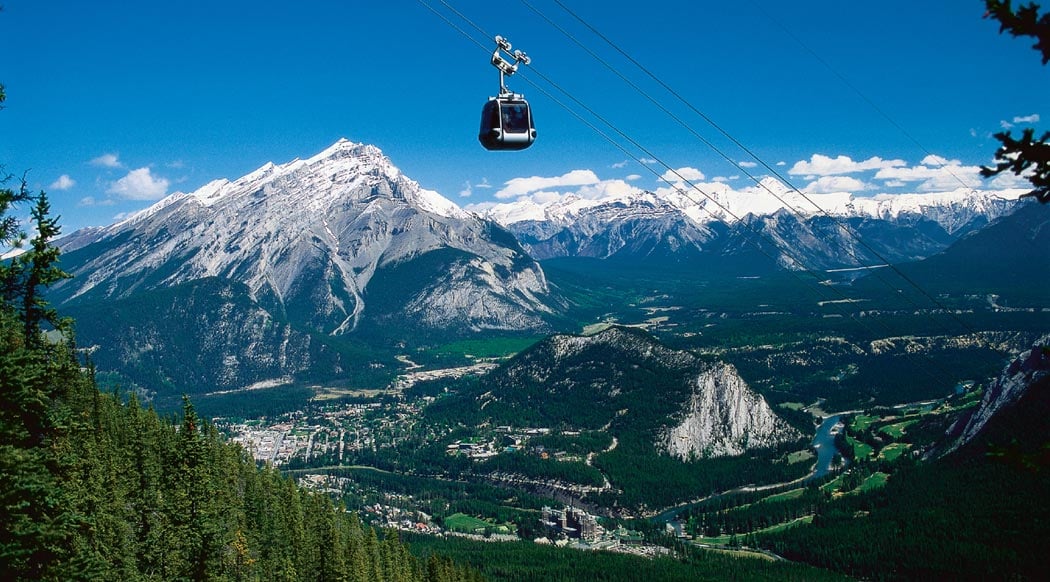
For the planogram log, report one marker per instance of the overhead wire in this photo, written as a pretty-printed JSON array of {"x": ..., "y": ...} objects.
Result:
[
  {"x": 845, "y": 228},
  {"x": 682, "y": 180},
  {"x": 862, "y": 96}
]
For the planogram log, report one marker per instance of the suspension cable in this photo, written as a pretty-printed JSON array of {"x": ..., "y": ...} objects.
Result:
[{"x": 682, "y": 180}]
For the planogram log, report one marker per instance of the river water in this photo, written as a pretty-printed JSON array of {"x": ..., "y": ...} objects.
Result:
[{"x": 824, "y": 445}]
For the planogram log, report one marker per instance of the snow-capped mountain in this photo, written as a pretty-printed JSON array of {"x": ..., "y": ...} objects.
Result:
[
  {"x": 315, "y": 233},
  {"x": 339, "y": 245},
  {"x": 789, "y": 228}
]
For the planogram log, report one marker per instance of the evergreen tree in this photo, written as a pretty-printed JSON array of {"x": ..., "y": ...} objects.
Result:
[{"x": 1026, "y": 154}]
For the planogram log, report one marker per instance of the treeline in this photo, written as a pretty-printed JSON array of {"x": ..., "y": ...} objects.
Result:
[
  {"x": 93, "y": 488},
  {"x": 762, "y": 514},
  {"x": 526, "y": 562},
  {"x": 655, "y": 480}
]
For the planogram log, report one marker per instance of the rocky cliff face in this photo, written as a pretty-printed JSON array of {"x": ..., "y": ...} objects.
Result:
[
  {"x": 723, "y": 417},
  {"x": 1025, "y": 370},
  {"x": 625, "y": 382}
]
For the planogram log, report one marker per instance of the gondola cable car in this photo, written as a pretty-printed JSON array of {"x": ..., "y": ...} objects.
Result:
[{"x": 506, "y": 119}]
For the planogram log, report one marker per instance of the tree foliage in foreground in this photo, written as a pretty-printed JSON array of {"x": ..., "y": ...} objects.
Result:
[
  {"x": 93, "y": 488},
  {"x": 1025, "y": 154}
]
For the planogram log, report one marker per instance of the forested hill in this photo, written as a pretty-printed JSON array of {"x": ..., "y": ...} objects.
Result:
[
  {"x": 95, "y": 489},
  {"x": 92, "y": 488}
]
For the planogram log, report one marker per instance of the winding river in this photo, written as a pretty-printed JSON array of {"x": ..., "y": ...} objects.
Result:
[{"x": 824, "y": 445}]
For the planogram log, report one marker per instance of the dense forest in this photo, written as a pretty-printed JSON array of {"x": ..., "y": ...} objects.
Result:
[
  {"x": 979, "y": 513},
  {"x": 95, "y": 487}
]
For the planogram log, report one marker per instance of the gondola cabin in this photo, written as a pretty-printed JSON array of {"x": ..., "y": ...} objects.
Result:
[{"x": 506, "y": 123}]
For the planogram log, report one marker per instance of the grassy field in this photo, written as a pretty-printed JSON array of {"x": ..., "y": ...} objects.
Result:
[
  {"x": 874, "y": 481},
  {"x": 466, "y": 524},
  {"x": 499, "y": 347},
  {"x": 725, "y": 539},
  {"x": 861, "y": 422},
  {"x": 799, "y": 457},
  {"x": 793, "y": 494},
  {"x": 893, "y": 451},
  {"x": 896, "y": 431},
  {"x": 860, "y": 450}
]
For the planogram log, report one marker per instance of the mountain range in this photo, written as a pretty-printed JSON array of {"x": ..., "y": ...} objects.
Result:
[
  {"x": 770, "y": 225},
  {"x": 322, "y": 268}
]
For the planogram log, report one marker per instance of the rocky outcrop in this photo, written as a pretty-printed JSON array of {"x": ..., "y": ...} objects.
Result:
[
  {"x": 1007, "y": 389},
  {"x": 724, "y": 417}
]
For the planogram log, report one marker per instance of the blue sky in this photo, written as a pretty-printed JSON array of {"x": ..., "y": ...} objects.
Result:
[{"x": 112, "y": 105}]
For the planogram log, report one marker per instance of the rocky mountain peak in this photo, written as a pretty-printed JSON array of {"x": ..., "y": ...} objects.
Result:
[
  {"x": 311, "y": 235},
  {"x": 724, "y": 417}
]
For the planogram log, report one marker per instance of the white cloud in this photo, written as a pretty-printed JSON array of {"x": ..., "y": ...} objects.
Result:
[
  {"x": 64, "y": 182},
  {"x": 90, "y": 201},
  {"x": 633, "y": 177},
  {"x": 821, "y": 165},
  {"x": 748, "y": 164},
  {"x": 682, "y": 174},
  {"x": 484, "y": 183},
  {"x": 107, "y": 161},
  {"x": 935, "y": 160},
  {"x": 1033, "y": 118},
  {"x": 782, "y": 163},
  {"x": 832, "y": 184},
  {"x": 521, "y": 186},
  {"x": 619, "y": 165},
  {"x": 648, "y": 161},
  {"x": 139, "y": 184},
  {"x": 1005, "y": 124},
  {"x": 935, "y": 174},
  {"x": 467, "y": 190}
]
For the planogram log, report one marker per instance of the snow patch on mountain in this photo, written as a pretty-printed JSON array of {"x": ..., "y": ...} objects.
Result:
[{"x": 717, "y": 202}]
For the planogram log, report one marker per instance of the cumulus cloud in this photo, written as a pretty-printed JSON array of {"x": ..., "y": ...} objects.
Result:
[
  {"x": 619, "y": 165},
  {"x": 522, "y": 186},
  {"x": 1033, "y": 118},
  {"x": 140, "y": 184},
  {"x": 821, "y": 165},
  {"x": 633, "y": 177},
  {"x": 64, "y": 182},
  {"x": 934, "y": 174},
  {"x": 832, "y": 184},
  {"x": 107, "y": 161},
  {"x": 682, "y": 174},
  {"x": 748, "y": 164}
]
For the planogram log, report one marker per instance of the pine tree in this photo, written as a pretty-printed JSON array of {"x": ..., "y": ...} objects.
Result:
[{"x": 1026, "y": 154}]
